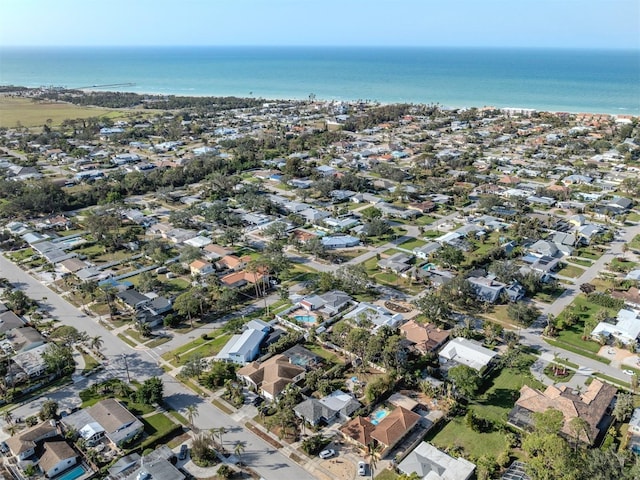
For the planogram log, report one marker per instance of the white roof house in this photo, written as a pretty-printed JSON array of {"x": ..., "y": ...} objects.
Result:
[
  {"x": 242, "y": 348},
  {"x": 377, "y": 315},
  {"x": 432, "y": 464},
  {"x": 626, "y": 329},
  {"x": 466, "y": 352}
]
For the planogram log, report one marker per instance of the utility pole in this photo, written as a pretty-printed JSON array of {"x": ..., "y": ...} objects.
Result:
[{"x": 126, "y": 366}]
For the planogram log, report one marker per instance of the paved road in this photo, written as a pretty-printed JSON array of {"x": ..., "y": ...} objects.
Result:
[{"x": 142, "y": 364}]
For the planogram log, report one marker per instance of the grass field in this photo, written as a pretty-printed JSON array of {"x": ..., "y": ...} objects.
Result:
[
  {"x": 571, "y": 271},
  {"x": 35, "y": 114}
]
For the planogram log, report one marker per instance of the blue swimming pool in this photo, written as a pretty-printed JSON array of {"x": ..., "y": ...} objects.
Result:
[
  {"x": 75, "y": 472},
  {"x": 305, "y": 318},
  {"x": 428, "y": 266},
  {"x": 376, "y": 417}
]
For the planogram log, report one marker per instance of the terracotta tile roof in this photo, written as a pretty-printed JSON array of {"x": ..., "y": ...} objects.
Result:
[
  {"x": 273, "y": 375},
  {"x": 198, "y": 264},
  {"x": 395, "y": 426},
  {"x": 509, "y": 180},
  {"x": 358, "y": 429},
  {"x": 425, "y": 337},
  {"x": 591, "y": 405}
]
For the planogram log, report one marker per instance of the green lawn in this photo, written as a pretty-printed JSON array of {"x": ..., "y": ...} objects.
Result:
[
  {"x": 321, "y": 352},
  {"x": 635, "y": 243},
  {"x": 157, "y": 424},
  {"x": 502, "y": 391},
  {"x": 589, "y": 252},
  {"x": 424, "y": 220},
  {"x": 633, "y": 217},
  {"x": 474, "y": 444},
  {"x": 551, "y": 369},
  {"x": 387, "y": 475},
  {"x": 548, "y": 294},
  {"x": 412, "y": 243},
  {"x": 580, "y": 261},
  {"x": 20, "y": 255},
  {"x": 623, "y": 265},
  {"x": 209, "y": 349},
  {"x": 571, "y": 271}
]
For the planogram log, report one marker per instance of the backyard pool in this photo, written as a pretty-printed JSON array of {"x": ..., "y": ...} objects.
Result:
[
  {"x": 428, "y": 266},
  {"x": 305, "y": 318},
  {"x": 378, "y": 414},
  {"x": 72, "y": 474}
]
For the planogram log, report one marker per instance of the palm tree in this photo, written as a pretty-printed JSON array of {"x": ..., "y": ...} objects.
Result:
[
  {"x": 238, "y": 450},
  {"x": 192, "y": 413},
  {"x": 96, "y": 342},
  {"x": 373, "y": 450},
  {"x": 221, "y": 431},
  {"x": 7, "y": 417}
]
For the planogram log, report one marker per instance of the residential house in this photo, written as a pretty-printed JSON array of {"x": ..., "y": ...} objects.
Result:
[
  {"x": 423, "y": 207},
  {"x": 593, "y": 406},
  {"x": 424, "y": 338},
  {"x": 157, "y": 464},
  {"x": 58, "y": 456},
  {"x": 431, "y": 463},
  {"x": 272, "y": 376},
  {"x": 633, "y": 433},
  {"x": 394, "y": 427},
  {"x": 397, "y": 263},
  {"x": 426, "y": 250},
  {"x": 335, "y": 406},
  {"x": 340, "y": 241},
  {"x": 358, "y": 431},
  {"x": 240, "y": 279},
  {"x": 329, "y": 303},
  {"x": 243, "y": 348},
  {"x": 626, "y": 328},
  {"x": 461, "y": 351},
  {"x": 24, "y": 338},
  {"x": 487, "y": 289},
  {"x": 198, "y": 242},
  {"x": 200, "y": 267},
  {"x": 23, "y": 444},
  {"x": 133, "y": 299},
  {"x": 106, "y": 419},
  {"x": 214, "y": 252},
  {"x": 31, "y": 362},
  {"x": 232, "y": 262},
  {"x": 73, "y": 265},
  {"x": 9, "y": 321},
  {"x": 375, "y": 314}
]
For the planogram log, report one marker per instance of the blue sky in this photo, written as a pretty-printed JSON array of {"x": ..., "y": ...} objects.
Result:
[{"x": 496, "y": 23}]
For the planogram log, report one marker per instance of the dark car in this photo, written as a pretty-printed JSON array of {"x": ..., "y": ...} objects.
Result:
[
  {"x": 257, "y": 401},
  {"x": 183, "y": 452}
]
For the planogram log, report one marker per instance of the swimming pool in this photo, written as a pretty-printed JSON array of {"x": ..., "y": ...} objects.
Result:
[
  {"x": 305, "y": 318},
  {"x": 428, "y": 266},
  {"x": 376, "y": 417},
  {"x": 75, "y": 472}
]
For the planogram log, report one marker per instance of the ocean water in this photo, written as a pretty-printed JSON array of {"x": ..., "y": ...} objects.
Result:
[{"x": 555, "y": 80}]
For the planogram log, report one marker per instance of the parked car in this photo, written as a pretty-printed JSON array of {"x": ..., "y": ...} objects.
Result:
[
  {"x": 328, "y": 453},
  {"x": 362, "y": 468},
  {"x": 256, "y": 402},
  {"x": 183, "y": 452}
]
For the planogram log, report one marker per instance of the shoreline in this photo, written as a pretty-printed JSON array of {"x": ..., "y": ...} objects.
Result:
[{"x": 324, "y": 100}]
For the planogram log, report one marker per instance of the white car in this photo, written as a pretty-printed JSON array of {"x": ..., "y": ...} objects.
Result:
[
  {"x": 328, "y": 453},
  {"x": 362, "y": 468},
  {"x": 629, "y": 372}
]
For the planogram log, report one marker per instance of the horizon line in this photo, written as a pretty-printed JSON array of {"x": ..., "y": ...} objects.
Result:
[{"x": 453, "y": 47}]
